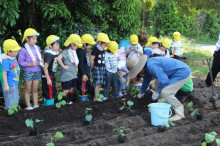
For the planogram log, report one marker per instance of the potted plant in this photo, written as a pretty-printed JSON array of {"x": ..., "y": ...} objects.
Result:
[
  {"x": 57, "y": 135},
  {"x": 121, "y": 136},
  {"x": 88, "y": 117},
  {"x": 162, "y": 128},
  {"x": 30, "y": 123},
  {"x": 129, "y": 105},
  {"x": 199, "y": 116}
]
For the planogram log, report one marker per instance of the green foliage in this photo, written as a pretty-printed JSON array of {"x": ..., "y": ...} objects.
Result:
[
  {"x": 61, "y": 102},
  {"x": 133, "y": 91},
  {"x": 31, "y": 123},
  {"x": 121, "y": 130},
  {"x": 57, "y": 135},
  {"x": 88, "y": 117},
  {"x": 99, "y": 95},
  {"x": 12, "y": 110},
  {"x": 167, "y": 124},
  {"x": 129, "y": 105},
  {"x": 210, "y": 137},
  {"x": 193, "y": 111}
]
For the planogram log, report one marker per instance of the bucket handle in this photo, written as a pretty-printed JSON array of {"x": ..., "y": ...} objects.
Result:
[{"x": 170, "y": 111}]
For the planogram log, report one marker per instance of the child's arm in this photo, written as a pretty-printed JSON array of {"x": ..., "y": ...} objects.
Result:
[
  {"x": 174, "y": 51},
  {"x": 128, "y": 52},
  {"x": 5, "y": 80},
  {"x": 122, "y": 78},
  {"x": 49, "y": 83},
  {"x": 139, "y": 52},
  {"x": 92, "y": 58},
  {"x": 59, "y": 59}
]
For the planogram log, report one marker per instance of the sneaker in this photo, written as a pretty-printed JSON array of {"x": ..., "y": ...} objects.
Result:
[
  {"x": 29, "y": 108},
  {"x": 98, "y": 100},
  {"x": 124, "y": 93},
  {"x": 70, "y": 102},
  {"x": 120, "y": 94},
  {"x": 36, "y": 106},
  {"x": 104, "y": 98}
]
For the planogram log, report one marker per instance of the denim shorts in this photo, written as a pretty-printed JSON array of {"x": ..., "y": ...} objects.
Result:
[
  {"x": 30, "y": 76},
  {"x": 12, "y": 96},
  {"x": 122, "y": 85}
]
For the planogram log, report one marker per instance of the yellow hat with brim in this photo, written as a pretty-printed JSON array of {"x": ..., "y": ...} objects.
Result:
[
  {"x": 51, "y": 39},
  {"x": 73, "y": 38},
  {"x": 166, "y": 43},
  {"x": 102, "y": 37},
  {"x": 134, "y": 39},
  {"x": 176, "y": 36},
  {"x": 113, "y": 46},
  {"x": 87, "y": 38},
  {"x": 150, "y": 40},
  {"x": 30, "y": 32},
  {"x": 10, "y": 45}
]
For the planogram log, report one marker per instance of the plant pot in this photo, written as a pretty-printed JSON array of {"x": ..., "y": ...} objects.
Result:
[
  {"x": 200, "y": 116},
  {"x": 161, "y": 129},
  {"x": 33, "y": 132},
  {"x": 121, "y": 139},
  {"x": 132, "y": 113},
  {"x": 86, "y": 123}
]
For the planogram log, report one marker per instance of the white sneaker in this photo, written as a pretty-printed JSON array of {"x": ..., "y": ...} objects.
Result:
[
  {"x": 104, "y": 98},
  {"x": 29, "y": 108},
  {"x": 36, "y": 106},
  {"x": 120, "y": 94},
  {"x": 70, "y": 102}
]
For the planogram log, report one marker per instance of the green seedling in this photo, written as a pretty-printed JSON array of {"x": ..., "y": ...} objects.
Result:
[
  {"x": 129, "y": 105},
  {"x": 57, "y": 135},
  {"x": 121, "y": 130},
  {"x": 167, "y": 124},
  {"x": 12, "y": 110},
  {"x": 88, "y": 117},
  {"x": 31, "y": 123},
  {"x": 193, "y": 111},
  {"x": 210, "y": 137},
  {"x": 99, "y": 95},
  {"x": 134, "y": 91},
  {"x": 61, "y": 102}
]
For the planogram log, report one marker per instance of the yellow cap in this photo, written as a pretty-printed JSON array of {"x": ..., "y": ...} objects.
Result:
[
  {"x": 29, "y": 32},
  {"x": 134, "y": 39},
  {"x": 166, "y": 43},
  {"x": 102, "y": 37},
  {"x": 73, "y": 38},
  {"x": 113, "y": 46},
  {"x": 150, "y": 40},
  {"x": 10, "y": 45},
  {"x": 176, "y": 36},
  {"x": 87, "y": 38},
  {"x": 51, "y": 39}
]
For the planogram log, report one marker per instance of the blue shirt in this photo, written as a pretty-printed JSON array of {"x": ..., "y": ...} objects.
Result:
[
  {"x": 166, "y": 70},
  {"x": 13, "y": 70},
  {"x": 148, "y": 51}
]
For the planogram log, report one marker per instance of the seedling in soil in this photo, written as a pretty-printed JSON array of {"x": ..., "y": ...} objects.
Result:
[
  {"x": 199, "y": 116},
  {"x": 134, "y": 91},
  {"x": 30, "y": 123},
  {"x": 129, "y": 105},
  {"x": 99, "y": 95},
  {"x": 88, "y": 117},
  {"x": 121, "y": 136},
  {"x": 12, "y": 110},
  {"x": 210, "y": 137},
  {"x": 61, "y": 102},
  {"x": 57, "y": 135},
  {"x": 162, "y": 128}
]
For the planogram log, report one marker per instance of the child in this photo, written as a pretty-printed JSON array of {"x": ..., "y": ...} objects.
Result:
[
  {"x": 97, "y": 61},
  {"x": 151, "y": 44},
  {"x": 68, "y": 61},
  {"x": 30, "y": 59},
  {"x": 134, "y": 48},
  {"x": 162, "y": 50},
  {"x": 176, "y": 45},
  {"x": 111, "y": 67},
  {"x": 50, "y": 68},
  {"x": 84, "y": 66},
  {"x": 11, "y": 72}
]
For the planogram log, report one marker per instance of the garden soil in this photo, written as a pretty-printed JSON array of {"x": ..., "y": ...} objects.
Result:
[{"x": 106, "y": 117}]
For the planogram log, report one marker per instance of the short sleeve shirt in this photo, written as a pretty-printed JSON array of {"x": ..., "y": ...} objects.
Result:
[
  {"x": 52, "y": 61},
  {"x": 99, "y": 57}
]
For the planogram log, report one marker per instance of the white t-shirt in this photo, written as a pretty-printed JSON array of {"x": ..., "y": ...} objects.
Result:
[
  {"x": 177, "y": 45},
  {"x": 111, "y": 62},
  {"x": 160, "y": 52},
  {"x": 133, "y": 52}
]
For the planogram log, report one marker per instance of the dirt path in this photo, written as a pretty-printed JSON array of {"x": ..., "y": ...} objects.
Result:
[{"x": 206, "y": 47}]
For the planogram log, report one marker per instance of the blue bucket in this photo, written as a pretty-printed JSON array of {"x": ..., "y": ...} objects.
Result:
[{"x": 160, "y": 113}]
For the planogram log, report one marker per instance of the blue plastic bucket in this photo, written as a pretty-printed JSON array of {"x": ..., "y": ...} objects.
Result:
[{"x": 160, "y": 113}]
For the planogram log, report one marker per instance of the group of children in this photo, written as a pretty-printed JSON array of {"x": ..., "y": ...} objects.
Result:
[{"x": 107, "y": 63}]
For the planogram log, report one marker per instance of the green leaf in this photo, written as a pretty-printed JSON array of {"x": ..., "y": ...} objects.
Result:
[
  {"x": 101, "y": 89},
  {"x": 204, "y": 144},
  {"x": 15, "y": 107},
  {"x": 58, "y": 105},
  {"x": 63, "y": 102},
  {"x": 194, "y": 112},
  {"x": 171, "y": 123},
  {"x": 217, "y": 141},
  {"x": 88, "y": 117},
  {"x": 121, "y": 108},
  {"x": 50, "y": 144},
  {"x": 58, "y": 135},
  {"x": 88, "y": 109},
  {"x": 10, "y": 111},
  {"x": 60, "y": 96},
  {"x": 166, "y": 124},
  {"x": 130, "y": 103},
  {"x": 190, "y": 104},
  {"x": 209, "y": 138},
  {"x": 213, "y": 133},
  {"x": 37, "y": 120},
  {"x": 29, "y": 123}
]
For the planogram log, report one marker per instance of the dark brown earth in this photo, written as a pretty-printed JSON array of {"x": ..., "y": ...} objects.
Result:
[{"x": 106, "y": 117}]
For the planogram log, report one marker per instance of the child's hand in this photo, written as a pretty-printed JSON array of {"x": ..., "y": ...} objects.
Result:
[
  {"x": 127, "y": 84},
  {"x": 6, "y": 89},
  {"x": 34, "y": 63},
  {"x": 66, "y": 67},
  {"x": 84, "y": 78},
  {"x": 49, "y": 83},
  {"x": 42, "y": 61}
]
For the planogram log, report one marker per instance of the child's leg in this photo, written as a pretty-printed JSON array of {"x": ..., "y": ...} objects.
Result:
[
  {"x": 35, "y": 92},
  {"x": 114, "y": 81},
  {"x": 107, "y": 85},
  {"x": 27, "y": 92},
  {"x": 97, "y": 87}
]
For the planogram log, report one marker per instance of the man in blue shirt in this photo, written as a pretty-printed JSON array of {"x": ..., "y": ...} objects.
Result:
[{"x": 170, "y": 73}]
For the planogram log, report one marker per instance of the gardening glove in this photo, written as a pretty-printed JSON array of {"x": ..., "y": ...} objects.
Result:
[
  {"x": 155, "y": 95},
  {"x": 140, "y": 95}
]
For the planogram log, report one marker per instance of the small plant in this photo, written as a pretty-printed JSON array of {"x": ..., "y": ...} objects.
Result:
[
  {"x": 129, "y": 105},
  {"x": 121, "y": 130},
  {"x": 12, "y": 110},
  {"x": 210, "y": 137},
  {"x": 57, "y": 135},
  {"x": 99, "y": 95},
  {"x": 61, "y": 102},
  {"x": 161, "y": 128},
  {"x": 134, "y": 91},
  {"x": 195, "y": 111},
  {"x": 88, "y": 117},
  {"x": 30, "y": 123}
]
